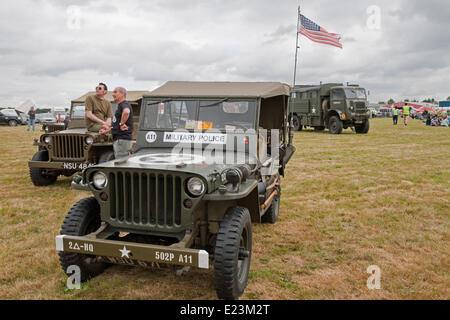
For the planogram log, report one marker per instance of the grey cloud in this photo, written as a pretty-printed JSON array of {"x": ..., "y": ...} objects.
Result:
[{"x": 145, "y": 43}]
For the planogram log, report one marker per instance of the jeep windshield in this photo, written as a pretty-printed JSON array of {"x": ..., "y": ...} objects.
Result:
[
  {"x": 78, "y": 111},
  {"x": 355, "y": 93},
  {"x": 225, "y": 114}
]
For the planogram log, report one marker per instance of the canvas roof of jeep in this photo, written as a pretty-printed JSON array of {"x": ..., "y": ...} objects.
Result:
[
  {"x": 131, "y": 96},
  {"x": 221, "y": 89}
]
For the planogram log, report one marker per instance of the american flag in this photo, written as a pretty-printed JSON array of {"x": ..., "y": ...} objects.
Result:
[{"x": 318, "y": 34}]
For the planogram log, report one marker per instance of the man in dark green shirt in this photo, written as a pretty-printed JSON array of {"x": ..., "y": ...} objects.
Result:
[{"x": 98, "y": 110}]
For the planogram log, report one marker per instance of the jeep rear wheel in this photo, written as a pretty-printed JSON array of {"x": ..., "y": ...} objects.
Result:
[
  {"x": 37, "y": 175},
  {"x": 335, "y": 125},
  {"x": 82, "y": 219},
  {"x": 232, "y": 253},
  {"x": 12, "y": 123},
  {"x": 271, "y": 215}
]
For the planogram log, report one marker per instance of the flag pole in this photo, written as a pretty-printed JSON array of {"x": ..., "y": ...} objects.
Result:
[
  {"x": 296, "y": 46},
  {"x": 291, "y": 122}
]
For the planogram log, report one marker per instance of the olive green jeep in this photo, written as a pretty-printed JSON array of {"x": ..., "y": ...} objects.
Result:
[
  {"x": 208, "y": 164},
  {"x": 74, "y": 148}
]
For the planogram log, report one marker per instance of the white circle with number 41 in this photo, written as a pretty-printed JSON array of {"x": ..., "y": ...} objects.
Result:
[{"x": 151, "y": 137}]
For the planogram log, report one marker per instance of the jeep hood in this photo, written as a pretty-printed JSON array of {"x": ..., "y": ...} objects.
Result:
[{"x": 162, "y": 159}]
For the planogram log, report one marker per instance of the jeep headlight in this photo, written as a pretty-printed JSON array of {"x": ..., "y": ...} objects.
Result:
[
  {"x": 195, "y": 186},
  {"x": 89, "y": 140},
  {"x": 100, "y": 180},
  {"x": 48, "y": 140}
]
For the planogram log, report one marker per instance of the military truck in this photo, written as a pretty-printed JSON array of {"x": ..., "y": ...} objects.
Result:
[
  {"x": 193, "y": 208},
  {"x": 72, "y": 149},
  {"x": 333, "y": 106}
]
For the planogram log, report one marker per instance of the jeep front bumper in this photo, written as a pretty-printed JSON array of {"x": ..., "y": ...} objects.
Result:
[
  {"x": 72, "y": 166},
  {"x": 117, "y": 251}
]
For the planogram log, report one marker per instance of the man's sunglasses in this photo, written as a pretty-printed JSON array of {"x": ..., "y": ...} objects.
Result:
[{"x": 99, "y": 88}]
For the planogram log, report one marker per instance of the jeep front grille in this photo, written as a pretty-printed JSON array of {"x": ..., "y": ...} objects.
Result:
[
  {"x": 360, "y": 107},
  {"x": 150, "y": 199},
  {"x": 68, "y": 147}
]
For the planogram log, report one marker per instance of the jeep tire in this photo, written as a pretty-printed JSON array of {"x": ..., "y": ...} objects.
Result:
[
  {"x": 335, "y": 125},
  {"x": 37, "y": 176},
  {"x": 12, "y": 123},
  {"x": 232, "y": 253},
  {"x": 271, "y": 215},
  {"x": 82, "y": 219}
]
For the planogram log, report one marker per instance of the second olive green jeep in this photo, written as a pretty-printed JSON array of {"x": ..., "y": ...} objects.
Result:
[{"x": 67, "y": 151}]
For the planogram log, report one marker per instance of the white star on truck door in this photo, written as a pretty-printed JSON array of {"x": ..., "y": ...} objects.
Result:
[{"x": 125, "y": 252}]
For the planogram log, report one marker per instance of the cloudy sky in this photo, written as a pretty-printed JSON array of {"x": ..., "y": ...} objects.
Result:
[{"x": 52, "y": 51}]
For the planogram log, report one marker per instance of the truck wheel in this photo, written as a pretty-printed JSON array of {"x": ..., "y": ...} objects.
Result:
[
  {"x": 335, "y": 125},
  {"x": 12, "y": 123},
  {"x": 271, "y": 215},
  {"x": 37, "y": 176},
  {"x": 232, "y": 253},
  {"x": 296, "y": 122},
  {"x": 82, "y": 219},
  {"x": 363, "y": 128},
  {"x": 106, "y": 156}
]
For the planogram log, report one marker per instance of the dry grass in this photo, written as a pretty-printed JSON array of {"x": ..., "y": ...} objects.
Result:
[{"x": 348, "y": 202}]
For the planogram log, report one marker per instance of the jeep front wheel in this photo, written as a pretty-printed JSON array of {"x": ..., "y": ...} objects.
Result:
[
  {"x": 335, "y": 125},
  {"x": 232, "y": 253},
  {"x": 37, "y": 175},
  {"x": 82, "y": 219},
  {"x": 12, "y": 123}
]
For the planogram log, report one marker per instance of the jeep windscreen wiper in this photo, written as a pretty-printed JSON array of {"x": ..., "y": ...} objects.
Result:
[
  {"x": 215, "y": 103},
  {"x": 158, "y": 102}
]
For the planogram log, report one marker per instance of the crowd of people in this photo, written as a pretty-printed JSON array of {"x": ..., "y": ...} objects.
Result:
[
  {"x": 433, "y": 118},
  {"x": 436, "y": 119}
]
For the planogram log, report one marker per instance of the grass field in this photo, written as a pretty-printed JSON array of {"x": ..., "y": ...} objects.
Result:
[{"x": 348, "y": 202}]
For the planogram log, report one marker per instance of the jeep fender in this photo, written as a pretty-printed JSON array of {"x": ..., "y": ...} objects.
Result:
[{"x": 247, "y": 197}]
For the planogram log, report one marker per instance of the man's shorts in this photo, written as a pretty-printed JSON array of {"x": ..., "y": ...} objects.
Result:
[{"x": 122, "y": 148}]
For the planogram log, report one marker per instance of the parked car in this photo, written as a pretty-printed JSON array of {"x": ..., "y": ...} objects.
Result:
[
  {"x": 45, "y": 118},
  {"x": 10, "y": 117}
]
